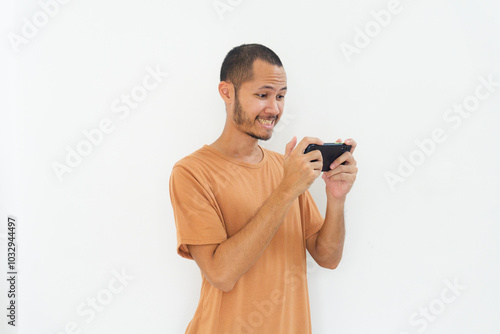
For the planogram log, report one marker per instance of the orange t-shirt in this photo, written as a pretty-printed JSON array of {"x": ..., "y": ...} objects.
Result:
[{"x": 213, "y": 196}]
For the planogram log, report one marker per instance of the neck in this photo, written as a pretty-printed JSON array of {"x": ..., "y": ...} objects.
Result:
[{"x": 238, "y": 145}]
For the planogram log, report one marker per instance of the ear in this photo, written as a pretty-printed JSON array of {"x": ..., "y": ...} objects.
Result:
[{"x": 226, "y": 91}]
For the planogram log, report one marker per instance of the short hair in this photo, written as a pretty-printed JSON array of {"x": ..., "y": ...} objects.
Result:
[{"x": 237, "y": 67}]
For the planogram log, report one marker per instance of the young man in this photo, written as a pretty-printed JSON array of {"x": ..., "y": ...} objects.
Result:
[{"x": 245, "y": 215}]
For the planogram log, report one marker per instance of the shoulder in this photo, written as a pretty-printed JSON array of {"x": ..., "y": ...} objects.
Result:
[
  {"x": 193, "y": 166},
  {"x": 194, "y": 159}
]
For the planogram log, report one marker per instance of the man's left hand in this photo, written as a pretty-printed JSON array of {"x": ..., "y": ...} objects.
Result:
[{"x": 340, "y": 178}]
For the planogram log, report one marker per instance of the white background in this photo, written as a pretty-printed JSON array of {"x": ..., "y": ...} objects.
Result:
[{"x": 113, "y": 212}]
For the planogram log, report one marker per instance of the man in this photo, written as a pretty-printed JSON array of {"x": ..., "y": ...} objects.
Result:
[{"x": 245, "y": 214}]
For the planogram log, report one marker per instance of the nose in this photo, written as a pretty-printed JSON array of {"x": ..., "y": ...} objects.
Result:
[{"x": 273, "y": 107}]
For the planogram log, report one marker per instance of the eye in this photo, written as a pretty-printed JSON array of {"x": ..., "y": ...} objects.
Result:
[
  {"x": 280, "y": 97},
  {"x": 261, "y": 95}
]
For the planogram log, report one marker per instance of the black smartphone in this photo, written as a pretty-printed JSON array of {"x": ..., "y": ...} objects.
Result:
[{"x": 330, "y": 152}]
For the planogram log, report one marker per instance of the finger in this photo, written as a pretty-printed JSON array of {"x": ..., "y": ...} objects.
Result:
[
  {"x": 345, "y": 157},
  {"x": 352, "y": 142},
  {"x": 342, "y": 177},
  {"x": 349, "y": 160},
  {"x": 314, "y": 155},
  {"x": 339, "y": 140},
  {"x": 289, "y": 147},
  {"x": 342, "y": 169},
  {"x": 317, "y": 165},
  {"x": 306, "y": 141}
]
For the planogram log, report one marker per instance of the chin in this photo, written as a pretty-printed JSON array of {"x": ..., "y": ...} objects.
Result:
[{"x": 264, "y": 138}]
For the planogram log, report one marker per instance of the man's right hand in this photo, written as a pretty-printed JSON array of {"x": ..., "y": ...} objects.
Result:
[{"x": 300, "y": 170}]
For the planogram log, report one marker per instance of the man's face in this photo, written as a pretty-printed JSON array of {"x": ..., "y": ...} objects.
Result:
[{"x": 259, "y": 103}]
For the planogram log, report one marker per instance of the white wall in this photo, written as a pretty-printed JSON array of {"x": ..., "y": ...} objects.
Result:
[{"x": 112, "y": 213}]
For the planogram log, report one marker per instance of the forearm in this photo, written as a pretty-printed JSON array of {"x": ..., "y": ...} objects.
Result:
[
  {"x": 330, "y": 241},
  {"x": 236, "y": 255}
]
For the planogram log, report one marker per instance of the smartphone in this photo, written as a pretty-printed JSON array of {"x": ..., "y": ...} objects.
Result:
[{"x": 330, "y": 152}]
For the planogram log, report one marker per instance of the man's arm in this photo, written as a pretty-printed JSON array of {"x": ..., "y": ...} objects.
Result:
[
  {"x": 326, "y": 246},
  {"x": 223, "y": 264}
]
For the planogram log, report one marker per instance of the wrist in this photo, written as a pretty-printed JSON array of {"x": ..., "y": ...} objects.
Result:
[
  {"x": 285, "y": 193},
  {"x": 336, "y": 201}
]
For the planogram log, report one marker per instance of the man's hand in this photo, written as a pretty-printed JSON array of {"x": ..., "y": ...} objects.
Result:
[
  {"x": 300, "y": 172},
  {"x": 326, "y": 246},
  {"x": 340, "y": 178}
]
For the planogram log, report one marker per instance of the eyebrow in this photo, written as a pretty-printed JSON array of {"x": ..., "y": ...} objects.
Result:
[{"x": 270, "y": 87}]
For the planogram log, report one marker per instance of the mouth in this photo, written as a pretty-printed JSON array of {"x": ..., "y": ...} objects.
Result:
[{"x": 268, "y": 123}]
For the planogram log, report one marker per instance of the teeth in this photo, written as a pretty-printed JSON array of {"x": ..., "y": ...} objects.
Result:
[{"x": 266, "y": 121}]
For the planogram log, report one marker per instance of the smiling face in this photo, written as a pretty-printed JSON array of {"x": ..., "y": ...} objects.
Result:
[{"x": 259, "y": 103}]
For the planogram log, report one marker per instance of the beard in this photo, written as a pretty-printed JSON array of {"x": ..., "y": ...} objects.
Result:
[{"x": 240, "y": 118}]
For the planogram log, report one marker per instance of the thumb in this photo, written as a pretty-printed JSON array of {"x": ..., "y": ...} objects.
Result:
[{"x": 290, "y": 146}]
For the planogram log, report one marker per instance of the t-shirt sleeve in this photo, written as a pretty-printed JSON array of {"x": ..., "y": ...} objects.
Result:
[
  {"x": 310, "y": 214},
  {"x": 197, "y": 219}
]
